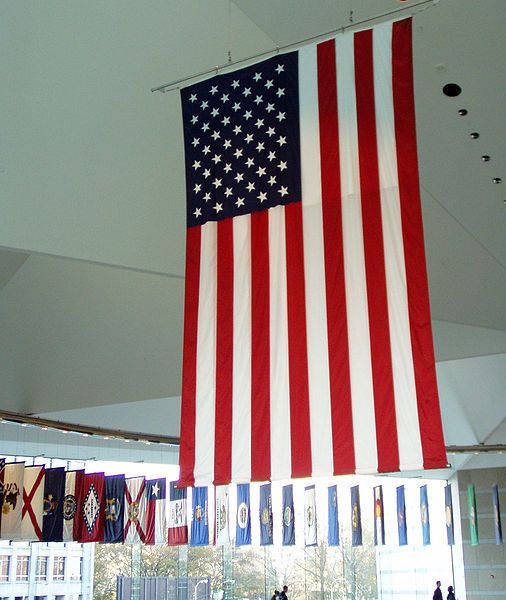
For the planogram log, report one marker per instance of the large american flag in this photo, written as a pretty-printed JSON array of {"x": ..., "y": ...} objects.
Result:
[{"x": 307, "y": 340}]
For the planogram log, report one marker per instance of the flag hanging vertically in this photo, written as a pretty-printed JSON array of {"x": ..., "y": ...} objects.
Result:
[
  {"x": 306, "y": 299},
  {"x": 497, "y": 514},
  {"x": 221, "y": 529},
  {"x": 155, "y": 512},
  {"x": 288, "y": 516},
  {"x": 243, "y": 521},
  {"x": 12, "y": 506},
  {"x": 401, "y": 517},
  {"x": 114, "y": 509},
  {"x": 199, "y": 535},
  {"x": 2, "y": 472},
  {"x": 135, "y": 510},
  {"x": 310, "y": 523},
  {"x": 449, "y": 515},
  {"x": 178, "y": 521},
  {"x": 73, "y": 506},
  {"x": 379, "y": 518},
  {"x": 93, "y": 508},
  {"x": 356, "y": 519},
  {"x": 33, "y": 501},
  {"x": 473, "y": 517},
  {"x": 266, "y": 516},
  {"x": 424, "y": 515},
  {"x": 333, "y": 518},
  {"x": 54, "y": 492}
]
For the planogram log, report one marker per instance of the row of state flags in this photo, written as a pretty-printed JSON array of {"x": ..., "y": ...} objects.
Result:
[{"x": 51, "y": 504}]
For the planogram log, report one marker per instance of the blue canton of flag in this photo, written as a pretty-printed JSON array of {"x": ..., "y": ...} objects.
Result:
[
  {"x": 242, "y": 141},
  {"x": 243, "y": 528},
  {"x": 333, "y": 517}
]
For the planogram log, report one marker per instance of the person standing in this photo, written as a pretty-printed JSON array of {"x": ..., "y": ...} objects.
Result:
[
  {"x": 451, "y": 594},
  {"x": 438, "y": 594},
  {"x": 283, "y": 595},
  {"x": 275, "y": 596}
]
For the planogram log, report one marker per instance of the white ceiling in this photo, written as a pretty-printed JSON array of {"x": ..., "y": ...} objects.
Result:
[{"x": 92, "y": 193}]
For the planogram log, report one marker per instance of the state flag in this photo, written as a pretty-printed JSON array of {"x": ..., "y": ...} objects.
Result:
[
  {"x": 93, "y": 512},
  {"x": 379, "y": 517},
  {"x": 178, "y": 516},
  {"x": 333, "y": 516},
  {"x": 288, "y": 516},
  {"x": 2, "y": 467},
  {"x": 356, "y": 519},
  {"x": 243, "y": 524},
  {"x": 449, "y": 515},
  {"x": 424, "y": 515},
  {"x": 310, "y": 523},
  {"x": 72, "y": 506},
  {"x": 54, "y": 492},
  {"x": 200, "y": 518},
  {"x": 221, "y": 528},
  {"x": 401, "y": 517},
  {"x": 12, "y": 506},
  {"x": 135, "y": 510},
  {"x": 473, "y": 516},
  {"x": 156, "y": 530},
  {"x": 33, "y": 501},
  {"x": 266, "y": 516},
  {"x": 497, "y": 514},
  {"x": 114, "y": 509}
]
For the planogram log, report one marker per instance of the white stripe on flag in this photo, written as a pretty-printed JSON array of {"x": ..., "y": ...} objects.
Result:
[
  {"x": 206, "y": 358},
  {"x": 241, "y": 387},
  {"x": 364, "y": 428},
  {"x": 280, "y": 390},
  {"x": 314, "y": 263},
  {"x": 408, "y": 431}
]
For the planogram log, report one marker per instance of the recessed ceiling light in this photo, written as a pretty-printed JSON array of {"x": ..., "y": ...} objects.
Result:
[
  {"x": 475, "y": 135},
  {"x": 497, "y": 180},
  {"x": 463, "y": 112},
  {"x": 485, "y": 158},
  {"x": 452, "y": 90}
]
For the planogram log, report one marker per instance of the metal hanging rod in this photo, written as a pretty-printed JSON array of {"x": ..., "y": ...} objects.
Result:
[{"x": 172, "y": 85}]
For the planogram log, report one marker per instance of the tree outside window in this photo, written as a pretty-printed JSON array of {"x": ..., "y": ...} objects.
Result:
[
  {"x": 22, "y": 568},
  {"x": 59, "y": 568},
  {"x": 41, "y": 571}
]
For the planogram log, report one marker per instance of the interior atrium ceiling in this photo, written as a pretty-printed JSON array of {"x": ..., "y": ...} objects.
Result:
[{"x": 93, "y": 206}]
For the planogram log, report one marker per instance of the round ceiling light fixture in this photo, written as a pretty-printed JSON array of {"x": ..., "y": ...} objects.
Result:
[{"x": 452, "y": 90}]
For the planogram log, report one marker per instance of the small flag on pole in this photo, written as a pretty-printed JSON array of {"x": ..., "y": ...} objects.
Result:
[
  {"x": 221, "y": 528},
  {"x": 449, "y": 515},
  {"x": 333, "y": 518},
  {"x": 288, "y": 516},
  {"x": 356, "y": 519},
  {"x": 424, "y": 515},
  {"x": 473, "y": 517},
  {"x": 379, "y": 520},
  {"x": 401, "y": 517},
  {"x": 266, "y": 517},
  {"x": 178, "y": 519}
]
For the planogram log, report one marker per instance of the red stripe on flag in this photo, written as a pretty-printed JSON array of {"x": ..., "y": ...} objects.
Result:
[
  {"x": 260, "y": 349},
  {"x": 381, "y": 358},
  {"x": 191, "y": 308},
  {"x": 224, "y": 352},
  {"x": 297, "y": 343},
  {"x": 429, "y": 416},
  {"x": 149, "y": 537},
  {"x": 337, "y": 326}
]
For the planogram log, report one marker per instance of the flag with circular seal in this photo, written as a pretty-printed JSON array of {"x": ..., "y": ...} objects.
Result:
[
  {"x": 356, "y": 519},
  {"x": 199, "y": 533},
  {"x": 221, "y": 529},
  {"x": 310, "y": 523},
  {"x": 266, "y": 518},
  {"x": 288, "y": 516},
  {"x": 114, "y": 509},
  {"x": 449, "y": 515},
  {"x": 72, "y": 505},
  {"x": 333, "y": 518},
  {"x": 12, "y": 507},
  {"x": 424, "y": 515},
  {"x": 243, "y": 526}
]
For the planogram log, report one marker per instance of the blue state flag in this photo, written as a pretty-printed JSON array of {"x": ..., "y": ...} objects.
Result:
[
  {"x": 401, "y": 517},
  {"x": 54, "y": 492},
  {"x": 243, "y": 521},
  {"x": 199, "y": 535},
  {"x": 114, "y": 509},
  {"x": 497, "y": 514},
  {"x": 356, "y": 519},
  {"x": 288, "y": 516},
  {"x": 333, "y": 516},
  {"x": 449, "y": 515},
  {"x": 424, "y": 515},
  {"x": 266, "y": 518}
]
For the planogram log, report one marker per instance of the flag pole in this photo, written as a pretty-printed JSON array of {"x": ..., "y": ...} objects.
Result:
[{"x": 172, "y": 85}]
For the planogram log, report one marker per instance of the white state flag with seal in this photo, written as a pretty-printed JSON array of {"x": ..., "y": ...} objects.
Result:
[
  {"x": 310, "y": 530},
  {"x": 12, "y": 506},
  {"x": 222, "y": 533}
]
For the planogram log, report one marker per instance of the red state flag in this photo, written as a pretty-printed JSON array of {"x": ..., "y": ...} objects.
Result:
[{"x": 93, "y": 504}]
